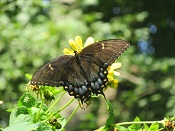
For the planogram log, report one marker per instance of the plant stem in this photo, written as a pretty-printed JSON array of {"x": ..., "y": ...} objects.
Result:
[
  {"x": 42, "y": 102},
  {"x": 66, "y": 105},
  {"x": 139, "y": 122},
  {"x": 55, "y": 102},
  {"x": 72, "y": 114},
  {"x": 136, "y": 122},
  {"x": 59, "y": 109}
]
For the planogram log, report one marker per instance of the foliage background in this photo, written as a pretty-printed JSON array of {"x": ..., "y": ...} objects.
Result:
[{"x": 33, "y": 32}]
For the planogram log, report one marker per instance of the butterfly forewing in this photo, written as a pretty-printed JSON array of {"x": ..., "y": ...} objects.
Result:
[
  {"x": 52, "y": 72},
  {"x": 106, "y": 51}
]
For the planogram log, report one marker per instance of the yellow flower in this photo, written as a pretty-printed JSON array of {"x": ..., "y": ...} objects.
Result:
[
  {"x": 77, "y": 45},
  {"x": 112, "y": 82}
]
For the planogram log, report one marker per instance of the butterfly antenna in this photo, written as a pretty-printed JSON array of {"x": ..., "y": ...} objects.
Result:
[{"x": 63, "y": 46}]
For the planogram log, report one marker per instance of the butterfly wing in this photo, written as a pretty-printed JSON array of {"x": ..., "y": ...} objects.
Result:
[
  {"x": 95, "y": 59},
  {"x": 62, "y": 71},
  {"x": 58, "y": 71},
  {"x": 104, "y": 52},
  {"x": 83, "y": 73}
]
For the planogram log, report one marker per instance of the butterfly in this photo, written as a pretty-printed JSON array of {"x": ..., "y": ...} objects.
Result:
[{"x": 83, "y": 73}]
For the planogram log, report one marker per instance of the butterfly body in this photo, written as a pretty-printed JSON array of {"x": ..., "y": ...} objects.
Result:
[{"x": 85, "y": 72}]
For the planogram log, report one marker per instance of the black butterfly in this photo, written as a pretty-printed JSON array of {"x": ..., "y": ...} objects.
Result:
[{"x": 85, "y": 72}]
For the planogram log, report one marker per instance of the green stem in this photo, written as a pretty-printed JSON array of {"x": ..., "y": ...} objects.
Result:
[
  {"x": 38, "y": 114},
  {"x": 72, "y": 114},
  {"x": 139, "y": 122},
  {"x": 60, "y": 109},
  {"x": 55, "y": 102},
  {"x": 130, "y": 123},
  {"x": 66, "y": 105}
]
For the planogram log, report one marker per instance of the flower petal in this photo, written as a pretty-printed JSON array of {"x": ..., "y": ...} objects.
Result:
[
  {"x": 78, "y": 42},
  {"x": 116, "y": 73},
  {"x": 116, "y": 65},
  {"x": 73, "y": 44},
  {"x": 89, "y": 41},
  {"x": 115, "y": 81},
  {"x": 68, "y": 51}
]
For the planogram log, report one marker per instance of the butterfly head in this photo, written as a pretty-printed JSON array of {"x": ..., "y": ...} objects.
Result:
[{"x": 77, "y": 46}]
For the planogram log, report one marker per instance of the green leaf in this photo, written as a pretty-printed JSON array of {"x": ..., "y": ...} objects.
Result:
[
  {"x": 26, "y": 100},
  {"x": 146, "y": 127},
  {"x": 44, "y": 127},
  {"x": 22, "y": 126},
  {"x": 55, "y": 91},
  {"x": 28, "y": 76},
  {"x": 63, "y": 123},
  {"x": 135, "y": 126},
  {"x": 154, "y": 127},
  {"x": 110, "y": 121},
  {"x": 15, "y": 118},
  {"x": 22, "y": 110},
  {"x": 137, "y": 119},
  {"x": 121, "y": 128}
]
